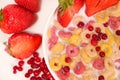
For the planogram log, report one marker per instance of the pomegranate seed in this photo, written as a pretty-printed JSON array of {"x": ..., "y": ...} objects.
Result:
[
  {"x": 118, "y": 32},
  {"x": 42, "y": 65},
  {"x": 30, "y": 71},
  {"x": 104, "y": 36},
  {"x": 102, "y": 54},
  {"x": 87, "y": 35},
  {"x": 45, "y": 70},
  {"x": 31, "y": 60},
  {"x": 37, "y": 59},
  {"x": 33, "y": 78},
  {"x": 27, "y": 75},
  {"x": 80, "y": 24},
  {"x": 15, "y": 67},
  {"x": 14, "y": 71},
  {"x": 94, "y": 42},
  {"x": 94, "y": 36},
  {"x": 35, "y": 54},
  {"x": 20, "y": 68},
  {"x": 21, "y": 63},
  {"x": 34, "y": 65},
  {"x": 101, "y": 77},
  {"x": 68, "y": 59},
  {"x": 39, "y": 78},
  {"x": 98, "y": 30},
  {"x": 44, "y": 76},
  {"x": 98, "y": 48},
  {"x": 66, "y": 68},
  {"x": 105, "y": 24},
  {"x": 36, "y": 72},
  {"x": 90, "y": 28}
]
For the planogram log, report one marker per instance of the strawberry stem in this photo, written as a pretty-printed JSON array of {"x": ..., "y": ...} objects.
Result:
[{"x": 1, "y": 16}]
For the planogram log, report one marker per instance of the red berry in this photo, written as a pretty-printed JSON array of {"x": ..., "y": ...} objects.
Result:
[
  {"x": 30, "y": 71},
  {"x": 106, "y": 24},
  {"x": 101, "y": 77},
  {"x": 87, "y": 35},
  {"x": 21, "y": 63},
  {"x": 102, "y": 54},
  {"x": 80, "y": 24},
  {"x": 94, "y": 36},
  {"x": 20, "y": 68},
  {"x": 98, "y": 48},
  {"x": 27, "y": 75},
  {"x": 94, "y": 42},
  {"x": 90, "y": 28},
  {"x": 98, "y": 30},
  {"x": 66, "y": 68},
  {"x": 118, "y": 32},
  {"x": 104, "y": 36},
  {"x": 68, "y": 59}
]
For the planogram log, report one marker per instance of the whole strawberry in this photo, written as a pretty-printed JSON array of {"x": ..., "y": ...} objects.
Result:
[
  {"x": 32, "y": 5},
  {"x": 15, "y": 19},
  {"x": 22, "y": 45}
]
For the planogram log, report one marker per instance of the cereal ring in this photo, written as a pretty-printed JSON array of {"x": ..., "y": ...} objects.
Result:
[
  {"x": 58, "y": 48},
  {"x": 79, "y": 68},
  {"x": 102, "y": 16},
  {"x": 62, "y": 60},
  {"x": 85, "y": 57},
  {"x": 111, "y": 77},
  {"x": 62, "y": 74},
  {"x": 106, "y": 73},
  {"x": 114, "y": 10},
  {"x": 107, "y": 49},
  {"x": 77, "y": 31},
  {"x": 75, "y": 40},
  {"x": 72, "y": 64},
  {"x": 73, "y": 77},
  {"x": 88, "y": 72},
  {"x": 77, "y": 19},
  {"x": 55, "y": 64},
  {"x": 72, "y": 51},
  {"x": 98, "y": 64},
  {"x": 64, "y": 34},
  {"x": 57, "y": 25},
  {"x": 90, "y": 50},
  {"x": 109, "y": 64}
]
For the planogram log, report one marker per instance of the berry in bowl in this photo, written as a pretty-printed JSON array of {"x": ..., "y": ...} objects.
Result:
[{"x": 83, "y": 46}]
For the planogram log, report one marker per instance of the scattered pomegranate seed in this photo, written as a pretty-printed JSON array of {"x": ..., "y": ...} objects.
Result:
[
  {"x": 94, "y": 42},
  {"x": 87, "y": 35},
  {"x": 20, "y": 68},
  {"x": 66, "y": 68},
  {"x": 98, "y": 48},
  {"x": 27, "y": 75},
  {"x": 33, "y": 78},
  {"x": 80, "y": 24},
  {"x": 30, "y": 71},
  {"x": 35, "y": 54},
  {"x": 21, "y": 63},
  {"x": 106, "y": 24},
  {"x": 37, "y": 59},
  {"x": 68, "y": 59},
  {"x": 98, "y": 30},
  {"x": 94, "y": 36},
  {"x": 90, "y": 28},
  {"x": 102, "y": 54},
  {"x": 101, "y": 77},
  {"x": 104, "y": 36},
  {"x": 118, "y": 32},
  {"x": 36, "y": 72}
]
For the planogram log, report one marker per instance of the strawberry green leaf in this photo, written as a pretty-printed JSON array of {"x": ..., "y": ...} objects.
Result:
[{"x": 1, "y": 16}]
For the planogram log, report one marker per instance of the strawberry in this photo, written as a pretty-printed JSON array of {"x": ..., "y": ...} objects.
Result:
[
  {"x": 32, "y": 5},
  {"x": 22, "y": 45},
  {"x": 67, "y": 9},
  {"x": 94, "y": 6},
  {"x": 15, "y": 19}
]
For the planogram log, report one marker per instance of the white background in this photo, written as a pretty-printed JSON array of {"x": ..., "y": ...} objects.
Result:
[{"x": 7, "y": 61}]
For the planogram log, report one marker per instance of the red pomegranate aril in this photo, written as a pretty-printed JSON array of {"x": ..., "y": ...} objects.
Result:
[
  {"x": 15, "y": 67},
  {"x": 90, "y": 28},
  {"x": 94, "y": 42},
  {"x": 37, "y": 59},
  {"x": 38, "y": 78},
  {"x": 33, "y": 78},
  {"x": 20, "y": 68},
  {"x": 97, "y": 30},
  {"x": 118, "y": 32},
  {"x": 94, "y": 36},
  {"x": 44, "y": 76},
  {"x": 87, "y": 35},
  {"x": 80, "y": 24},
  {"x": 30, "y": 71},
  {"x": 36, "y": 72},
  {"x": 68, "y": 59},
  {"x": 35, "y": 54},
  {"x": 27, "y": 75},
  {"x": 31, "y": 60},
  {"x": 104, "y": 36},
  {"x": 34, "y": 65},
  {"x": 66, "y": 68},
  {"x": 21, "y": 63},
  {"x": 102, "y": 54},
  {"x": 98, "y": 48},
  {"x": 42, "y": 65},
  {"x": 45, "y": 70},
  {"x": 101, "y": 77},
  {"x": 106, "y": 24}
]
